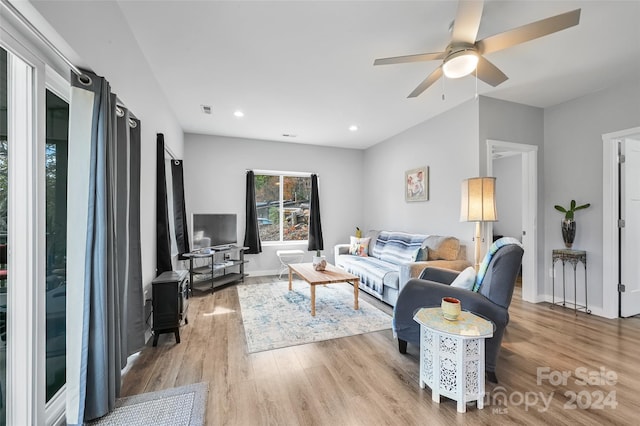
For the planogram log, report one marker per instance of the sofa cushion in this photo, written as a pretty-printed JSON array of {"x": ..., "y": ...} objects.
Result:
[
  {"x": 359, "y": 246},
  {"x": 373, "y": 273},
  {"x": 420, "y": 255},
  {"x": 397, "y": 247},
  {"x": 441, "y": 248}
]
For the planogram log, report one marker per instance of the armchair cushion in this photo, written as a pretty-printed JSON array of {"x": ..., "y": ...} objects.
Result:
[{"x": 466, "y": 279}]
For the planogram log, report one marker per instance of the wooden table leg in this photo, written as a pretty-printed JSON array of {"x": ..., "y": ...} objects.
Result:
[
  {"x": 313, "y": 300},
  {"x": 355, "y": 294},
  {"x": 290, "y": 277}
]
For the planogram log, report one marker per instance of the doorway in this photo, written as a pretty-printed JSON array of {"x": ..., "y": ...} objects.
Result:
[
  {"x": 621, "y": 229},
  {"x": 527, "y": 208}
]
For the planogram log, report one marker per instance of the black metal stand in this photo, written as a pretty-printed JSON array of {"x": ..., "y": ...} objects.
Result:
[{"x": 572, "y": 257}]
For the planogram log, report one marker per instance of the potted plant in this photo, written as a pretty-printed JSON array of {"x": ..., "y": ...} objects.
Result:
[{"x": 569, "y": 223}]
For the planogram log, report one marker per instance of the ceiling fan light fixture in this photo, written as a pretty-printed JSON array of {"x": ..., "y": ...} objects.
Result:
[{"x": 460, "y": 63}]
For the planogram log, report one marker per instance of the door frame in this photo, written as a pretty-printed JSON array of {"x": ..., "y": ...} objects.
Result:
[
  {"x": 529, "y": 156},
  {"x": 610, "y": 215}
]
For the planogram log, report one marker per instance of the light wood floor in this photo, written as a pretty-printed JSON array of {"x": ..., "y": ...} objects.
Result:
[{"x": 364, "y": 380}]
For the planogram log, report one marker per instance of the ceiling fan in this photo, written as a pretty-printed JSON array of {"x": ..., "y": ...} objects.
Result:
[{"x": 465, "y": 55}]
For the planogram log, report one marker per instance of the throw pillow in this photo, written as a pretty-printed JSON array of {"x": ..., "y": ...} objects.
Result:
[
  {"x": 442, "y": 248},
  {"x": 465, "y": 279},
  {"x": 359, "y": 246},
  {"x": 419, "y": 255}
]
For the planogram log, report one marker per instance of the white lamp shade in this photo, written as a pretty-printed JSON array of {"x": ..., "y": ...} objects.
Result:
[{"x": 478, "y": 203}]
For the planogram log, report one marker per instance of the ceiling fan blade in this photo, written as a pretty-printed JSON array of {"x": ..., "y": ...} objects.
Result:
[
  {"x": 467, "y": 22},
  {"x": 409, "y": 58},
  {"x": 432, "y": 78},
  {"x": 529, "y": 32},
  {"x": 489, "y": 73}
]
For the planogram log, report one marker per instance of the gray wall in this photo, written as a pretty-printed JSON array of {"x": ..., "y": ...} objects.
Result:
[
  {"x": 573, "y": 170},
  {"x": 215, "y": 183},
  {"x": 516, "y": 123},
  {"x": 448, "y": 145}
]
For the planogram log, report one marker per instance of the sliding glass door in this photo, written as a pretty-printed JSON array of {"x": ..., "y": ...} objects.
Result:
[
  {"x": 4, "y": 199},
  {"x": 34, "y": 121}
]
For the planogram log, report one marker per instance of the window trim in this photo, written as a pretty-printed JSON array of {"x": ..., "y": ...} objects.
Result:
[{"x": 24, "y": 405}]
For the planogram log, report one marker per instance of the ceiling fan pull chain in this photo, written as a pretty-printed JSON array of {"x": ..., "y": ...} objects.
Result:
[
  {"x": 476, "y": 84},
  {"x": 443, "y": 88}
]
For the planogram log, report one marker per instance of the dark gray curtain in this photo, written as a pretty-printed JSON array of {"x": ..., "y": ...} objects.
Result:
[
  {"x": 104, "y": 305},
  {"x": 135, "y": 300},
  {"x": 179, "y": 209},
  {"x": 251, "y": 233},
  {"x": 163, "y": 240},
  {"x": 315, "y": 227}
]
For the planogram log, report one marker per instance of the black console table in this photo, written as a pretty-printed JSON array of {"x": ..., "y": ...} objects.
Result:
[
  {"x": 573, "y": 257},
  {"x": 218, "y": 266},
  {"x": 170, "y": 300}
]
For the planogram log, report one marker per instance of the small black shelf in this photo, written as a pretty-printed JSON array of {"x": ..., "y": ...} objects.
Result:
[
  {"x": 201, "y": 270},
  {"x": 219, "y": 269}
]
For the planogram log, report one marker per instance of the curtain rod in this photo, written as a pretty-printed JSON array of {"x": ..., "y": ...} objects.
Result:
[
  {"x": 279, "y": 172},
  {"x": 20, "y": 17},
  {"x": 168, "y": 151}
]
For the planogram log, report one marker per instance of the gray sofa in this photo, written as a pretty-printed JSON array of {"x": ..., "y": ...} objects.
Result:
[{"x": 389, "y": 264}]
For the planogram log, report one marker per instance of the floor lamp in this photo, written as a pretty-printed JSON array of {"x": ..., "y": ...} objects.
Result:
[{"x": 478, "y": 205}]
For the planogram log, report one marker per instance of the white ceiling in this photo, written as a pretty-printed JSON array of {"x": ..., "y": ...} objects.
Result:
[{"x": 306, "y": 67}]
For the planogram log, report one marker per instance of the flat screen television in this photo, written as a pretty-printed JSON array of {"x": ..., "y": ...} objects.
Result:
[{"x": 212, "y": 230}]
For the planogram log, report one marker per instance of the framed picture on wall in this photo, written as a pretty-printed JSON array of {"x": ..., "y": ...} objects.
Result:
[{"x": 416, "y": 184}]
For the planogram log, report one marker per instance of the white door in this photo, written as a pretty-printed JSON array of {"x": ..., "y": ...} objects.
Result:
[{"x": 630, "y": 233}]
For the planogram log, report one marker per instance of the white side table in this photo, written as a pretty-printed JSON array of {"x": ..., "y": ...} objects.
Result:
[
  {"x": 452, "y": 355},
  {"x": 288, "y": 256}
]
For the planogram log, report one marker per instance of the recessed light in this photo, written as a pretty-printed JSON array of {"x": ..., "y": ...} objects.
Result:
[
  {"x": 206, "y": 109},
  {"x": 353, "y": 128},
  {"x": 238, "y": 113}
]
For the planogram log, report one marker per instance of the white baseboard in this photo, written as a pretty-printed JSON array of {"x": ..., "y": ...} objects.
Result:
[
  {"x": 264, "y": 273},
  {"x": 595, "y": 310}
]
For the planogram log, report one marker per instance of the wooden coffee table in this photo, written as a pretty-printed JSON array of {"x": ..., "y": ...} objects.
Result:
[{"x": 330, "y": 275}]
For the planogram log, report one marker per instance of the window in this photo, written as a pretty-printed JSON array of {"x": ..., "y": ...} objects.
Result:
[
  {"x": 282, "y": 202},
  {"x": 57, "y": 130}
]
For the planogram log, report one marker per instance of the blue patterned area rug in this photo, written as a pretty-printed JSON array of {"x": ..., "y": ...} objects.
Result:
[
  {"x": 275, "y": 317},
  {"x": 184, "y": 405}
]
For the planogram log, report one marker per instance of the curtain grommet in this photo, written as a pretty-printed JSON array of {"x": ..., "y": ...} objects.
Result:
[{"x": 85, "y": 80}]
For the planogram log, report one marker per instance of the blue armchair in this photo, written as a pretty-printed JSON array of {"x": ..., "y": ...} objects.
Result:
[{"x": 491, "y": 301}]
